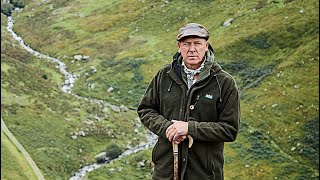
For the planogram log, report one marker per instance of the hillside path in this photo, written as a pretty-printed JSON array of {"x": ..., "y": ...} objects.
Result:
[{"x": 22, "y": 150}]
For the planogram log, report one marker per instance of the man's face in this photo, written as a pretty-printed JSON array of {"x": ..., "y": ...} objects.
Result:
[{"x": 193, "y": 50}]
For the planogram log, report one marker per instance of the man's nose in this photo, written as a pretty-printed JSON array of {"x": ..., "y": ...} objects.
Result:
[{"x": 192, "y": 48}]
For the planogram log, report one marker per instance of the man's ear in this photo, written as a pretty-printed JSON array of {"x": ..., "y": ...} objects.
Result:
[
  {"x": 178, "y": 44},
  {"x": 207, "y": 46}
]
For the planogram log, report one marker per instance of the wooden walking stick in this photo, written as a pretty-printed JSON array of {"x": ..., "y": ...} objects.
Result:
[
  {"x": 175, "y": 161},
  {"x": 175, "y": 157}
]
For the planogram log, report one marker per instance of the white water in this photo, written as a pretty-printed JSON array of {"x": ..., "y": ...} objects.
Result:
[
  {"x": 70, "y": 80},
  {"x": 67, "y": 88}
]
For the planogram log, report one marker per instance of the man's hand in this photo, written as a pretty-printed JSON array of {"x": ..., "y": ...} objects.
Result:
[{"x": 177, "y": 131}]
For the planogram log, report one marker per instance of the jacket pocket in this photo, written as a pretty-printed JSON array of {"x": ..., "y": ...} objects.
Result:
[
  {"x": 211, "y": 167},
  {"x": 154, "y": 151},
  {"x": 206, "y": 109},
  {"x": 162, "y": 159},
  {"x": 212, "y": 175}
]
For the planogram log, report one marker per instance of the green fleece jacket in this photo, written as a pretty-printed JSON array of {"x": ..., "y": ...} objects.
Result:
[{"x": 214, "y": 119}]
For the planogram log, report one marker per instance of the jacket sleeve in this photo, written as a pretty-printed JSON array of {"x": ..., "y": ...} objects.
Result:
[
  {"x": 148, "y": 109},
  {"x": 225, "y": 129}
]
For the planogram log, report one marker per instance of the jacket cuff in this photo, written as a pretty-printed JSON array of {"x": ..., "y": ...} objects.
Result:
[
  {"x": 165, "y": 127},
  {"x": 192, "y": 130}
]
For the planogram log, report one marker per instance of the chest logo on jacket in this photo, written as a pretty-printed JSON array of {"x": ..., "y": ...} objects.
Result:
[{"x": 209, "y": 96}]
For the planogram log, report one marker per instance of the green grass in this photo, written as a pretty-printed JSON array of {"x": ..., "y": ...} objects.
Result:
[
  {"x": 136, "y": 166},
  {"x": 272, "y": 52},
  {"x": 13, "y": 164},
  {"x": 43, "y": 118}
]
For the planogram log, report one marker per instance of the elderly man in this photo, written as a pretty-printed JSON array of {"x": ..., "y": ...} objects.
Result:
[{"x": 194, "y": 97}]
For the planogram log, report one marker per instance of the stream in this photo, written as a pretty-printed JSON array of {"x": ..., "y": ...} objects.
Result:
[{"x": 67, "y": 85}]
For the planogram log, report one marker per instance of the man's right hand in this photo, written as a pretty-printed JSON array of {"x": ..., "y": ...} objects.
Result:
[
  {"x": 180, "y": 139},
  {"x": 177, "y": 132}
]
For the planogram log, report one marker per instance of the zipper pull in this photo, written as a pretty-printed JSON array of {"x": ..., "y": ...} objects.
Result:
[{"x": 193, "y": 106}]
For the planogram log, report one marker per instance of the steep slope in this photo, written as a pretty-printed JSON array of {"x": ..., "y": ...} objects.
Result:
[
  {"x": 61, "y": 132},
  {"x": 271, "y": 48},
  {"x": 13, "y": 164}
]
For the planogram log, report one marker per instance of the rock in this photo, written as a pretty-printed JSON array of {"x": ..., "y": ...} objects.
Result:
[
  {"x": 228, "y": 22},
  {"x": 77, "y": 57},
  {"x": 91, "y": 85},
  {"x": 110, "y": 89},
  {"x": 115, "y": 108},
  {"x": 85, "y": 57},
  {"x": 124, "y": 108},
  {"x": 46, "y": 1},
  {"x": 88, "y": 122},
  {"x": 82, "y": 133},
  {"x": 93, "y": 69},
  {"x": 105, "y": 110},
  {"x": 97, "y": 118},
  {"x": 141, "y": 164},
  {"x": 106, "y": 117}
]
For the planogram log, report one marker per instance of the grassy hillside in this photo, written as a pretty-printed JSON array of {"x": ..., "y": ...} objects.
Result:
[
  {"x": 43, "y": 118},
  {"x": 271, "y": 48},
  {"x": 13, "y": 164}
]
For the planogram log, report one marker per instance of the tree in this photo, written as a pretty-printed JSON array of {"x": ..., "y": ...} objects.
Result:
[{"x": 113, "y": 151}]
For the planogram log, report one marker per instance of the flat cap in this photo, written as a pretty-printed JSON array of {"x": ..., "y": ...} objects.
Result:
[{"x": 193, "y": 29}]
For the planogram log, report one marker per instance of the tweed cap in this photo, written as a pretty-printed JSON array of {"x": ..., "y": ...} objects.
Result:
[{"x": 193, "y": 29}]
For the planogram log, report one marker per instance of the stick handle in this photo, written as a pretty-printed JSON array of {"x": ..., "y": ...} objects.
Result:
[{"x": 174, "y": 147}]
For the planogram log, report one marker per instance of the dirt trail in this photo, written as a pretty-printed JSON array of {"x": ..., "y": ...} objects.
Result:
[{"x": 22, "y": 150}]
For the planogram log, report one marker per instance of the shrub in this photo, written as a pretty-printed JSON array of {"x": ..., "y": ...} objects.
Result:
[
  {"x": 260, "y": 41},
  {"x": 310, "y": 140},
  {"x": 261, "y": 4},
  {"x": 261, "y": 148},
  {"x": 137, "y": 77},
  {"x": 7, "y": 9},
  {"x": 113, "y": 151},
  {"x": 18, "y": 3}
]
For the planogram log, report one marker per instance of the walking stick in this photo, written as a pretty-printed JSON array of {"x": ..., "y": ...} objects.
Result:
[{"x": 175, "y": 157}]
